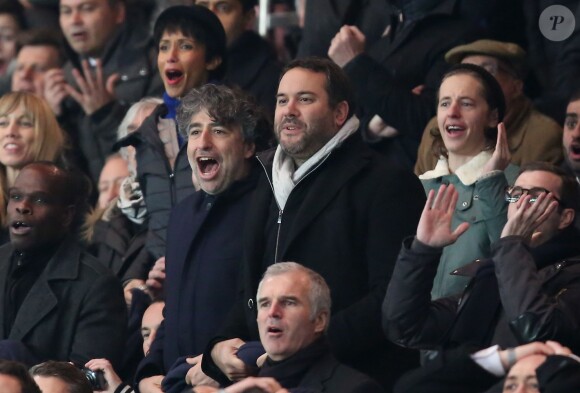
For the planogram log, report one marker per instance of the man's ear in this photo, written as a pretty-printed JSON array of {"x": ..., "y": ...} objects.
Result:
[
  {"x": 249, "y": 149},
  {"x": 213, "y": 63},
  {"x": 566, "y": 218},
  {"x": 320, "y": 322},
  {"x": 341, "y": 113}
]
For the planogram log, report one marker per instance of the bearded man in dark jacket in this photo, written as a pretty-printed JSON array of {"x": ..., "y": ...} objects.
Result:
[{"x": 328, "y": 202}]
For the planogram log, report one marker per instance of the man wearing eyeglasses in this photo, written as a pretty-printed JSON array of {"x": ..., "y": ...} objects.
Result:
[{"x": 529, "y": 290}]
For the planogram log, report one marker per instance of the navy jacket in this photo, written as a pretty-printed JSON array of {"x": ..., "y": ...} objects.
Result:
[{"x": 204, "y": 249}]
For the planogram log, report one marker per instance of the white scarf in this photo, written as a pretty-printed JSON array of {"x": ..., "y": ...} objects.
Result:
[{"x": 284, "y": 174}]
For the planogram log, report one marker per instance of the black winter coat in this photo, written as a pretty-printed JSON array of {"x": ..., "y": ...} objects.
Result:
[
  {"x": 509, "y": 302},
  {"x": 344, "y": 220},
  {"x": 162, "y": 186},
  {"x": 204, "y": 251}
]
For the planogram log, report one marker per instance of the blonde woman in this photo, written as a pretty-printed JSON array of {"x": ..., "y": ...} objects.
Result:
[{"x": 28, "y": 132}]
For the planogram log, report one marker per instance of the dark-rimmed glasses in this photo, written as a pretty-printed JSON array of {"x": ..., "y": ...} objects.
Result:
[{"x": 514, "y": 193}]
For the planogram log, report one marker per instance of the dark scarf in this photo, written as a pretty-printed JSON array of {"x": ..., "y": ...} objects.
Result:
[{"x": 289, "y": 372}]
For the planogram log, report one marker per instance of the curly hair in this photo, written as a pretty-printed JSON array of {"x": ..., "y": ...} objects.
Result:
[{"x": 227, "y": 106}]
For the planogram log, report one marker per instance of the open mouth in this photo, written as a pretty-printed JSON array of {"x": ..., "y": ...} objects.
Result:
[
  {"x": 274, "y": 330},
  {"x": 78, "y": 35},
  {"x": 173, "y": 76},
  {"x": 20, "y": 227},
  {"x": 208, "y": 167},
  {"x": 575, "y": 150},
  {"x": 454, "y": 130}
]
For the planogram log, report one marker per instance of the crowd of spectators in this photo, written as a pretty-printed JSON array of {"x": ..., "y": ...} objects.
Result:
[{"x": 161, "y": 164}]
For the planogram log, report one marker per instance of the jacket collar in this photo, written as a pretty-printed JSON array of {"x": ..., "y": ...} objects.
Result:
[
  {"x": 64, "y": 265},
  {"x": 560, "y": 251},
  {"x": 468, "y": 173},
  {"x": 285, "y": 175},
  {"x": 346, "y": 162}
]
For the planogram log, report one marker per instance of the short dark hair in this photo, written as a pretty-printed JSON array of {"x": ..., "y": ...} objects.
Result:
[
  {"x": 42, "y": 37},
  {"x": 338, "y": 86},
  {"x": 70, "y": 179},
  {"x": 20, "y": 372},
  {"x": 248, "y": 4},
  {"x": 200, "y": 24},
  {"x": 228, "y": 106},
  {"x": 575, "y": 96},
  {"x": 492, "y": 93},
  {"x": 69, "y": 374},
  {"x": 569, "y": 190}
]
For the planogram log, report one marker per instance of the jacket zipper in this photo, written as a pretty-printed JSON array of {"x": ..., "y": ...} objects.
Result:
[{"x": 280, "y": 210}]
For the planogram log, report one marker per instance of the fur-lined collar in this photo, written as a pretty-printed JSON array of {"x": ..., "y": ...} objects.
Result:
[{"x": 468, "y": 173}]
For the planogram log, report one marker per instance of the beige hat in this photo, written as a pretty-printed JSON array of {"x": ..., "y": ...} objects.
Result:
[{"x": 509, "y": 52}]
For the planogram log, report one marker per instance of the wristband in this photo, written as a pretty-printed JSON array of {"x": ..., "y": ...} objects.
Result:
[{"x": 511, "y": 357}]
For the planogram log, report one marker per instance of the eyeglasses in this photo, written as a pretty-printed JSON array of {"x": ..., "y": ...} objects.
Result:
[{"x": 514, "y": 193}]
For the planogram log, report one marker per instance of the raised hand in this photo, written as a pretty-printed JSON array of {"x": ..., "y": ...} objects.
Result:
[
  {"x": 156, "y": 278},
  {"x": 434, "y": 227},
  {"x": 54, "y": 89},
  {"x": 518, "y": 353},
  {"x": 529, "y": 216},
  {"x": 94, "y": 93},
  {"x": 501, "y": 155},
  {"x": 348, "y": 43}
]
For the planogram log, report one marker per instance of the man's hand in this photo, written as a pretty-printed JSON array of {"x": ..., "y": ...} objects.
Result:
[
  {"x": 113, "y": 380},
  {"x": 254, "y": 384},
  {"x": 224, "y": 356},
  {"x": 55, "y": 89},
  {"x": 501, "y": 156},
  {"x": 528, "y": 217},
  {"x": 151, "y": 384},
  {"x": 347, "y": 44},
  {"x": 518, "y": 353},
  {"x": 195, "y": 376},
  {"x": 94, "y": 92},
  {"x": 134, "y": 283},
  {"x": 156, "y": 278},
  {"x": 434, "y": 227},
  {"x": 558, "y": 348}
]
